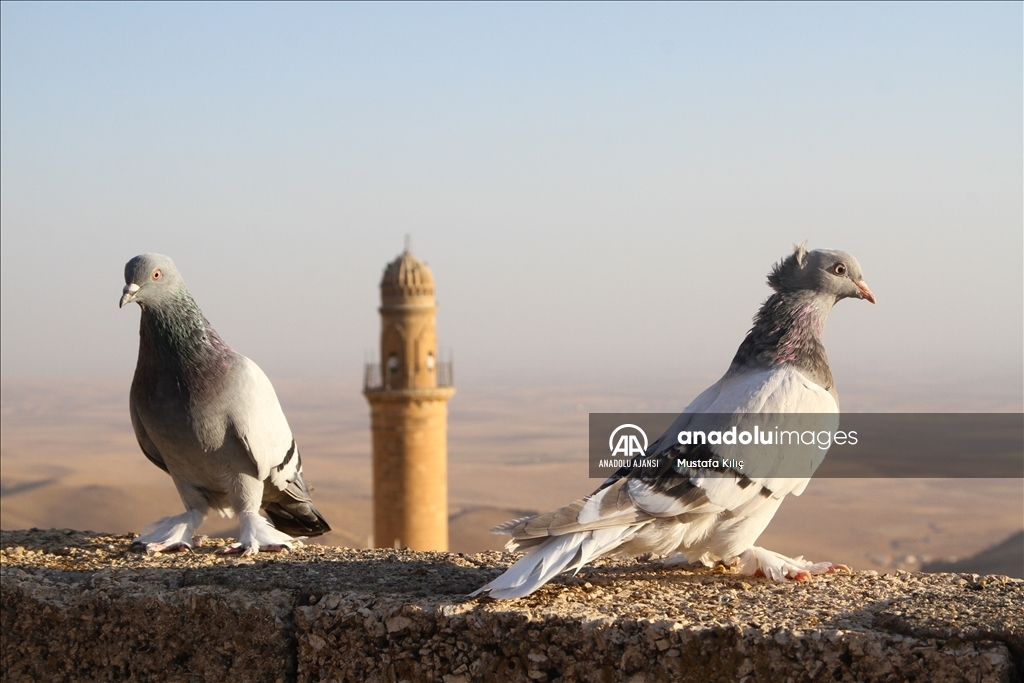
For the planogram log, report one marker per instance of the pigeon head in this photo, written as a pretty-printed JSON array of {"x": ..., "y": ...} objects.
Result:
[
  {"x": 150, "y": 279},
  {"x": 828, "y": 271}
]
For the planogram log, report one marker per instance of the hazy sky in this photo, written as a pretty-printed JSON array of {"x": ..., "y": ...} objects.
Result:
[{"x": 600, "y": 189}]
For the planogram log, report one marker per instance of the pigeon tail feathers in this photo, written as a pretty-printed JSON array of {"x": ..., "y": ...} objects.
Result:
[
  {"x": 297, "y": 517},
  {"x": 535, "y": 568},
  {"x": 294, "y": 513},
  {"x": 553, "y": 556},
  {"x": 508, "y": 528}
]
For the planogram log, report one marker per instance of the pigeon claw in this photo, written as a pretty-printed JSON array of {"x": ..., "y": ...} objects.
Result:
[
  {"x": 760, "y": 562},
  {"x": 838, "y": 569},
  {"x": 236, "y": 549},
  {"x": 792, "y": 575}
]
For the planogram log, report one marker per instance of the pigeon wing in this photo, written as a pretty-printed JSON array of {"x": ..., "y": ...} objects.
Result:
[
  {"x": 642, "y": 494},
  {"x": 748, "y": 399},
  {"x": 257, "y": 420}
]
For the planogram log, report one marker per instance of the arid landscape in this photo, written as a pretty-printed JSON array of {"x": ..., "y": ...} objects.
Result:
[{"x": 69, "y": 459}]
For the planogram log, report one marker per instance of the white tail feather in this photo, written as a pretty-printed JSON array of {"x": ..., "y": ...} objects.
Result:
[
  {"x": 555, "y": 555},
  {"x": 505, "y": 528}
]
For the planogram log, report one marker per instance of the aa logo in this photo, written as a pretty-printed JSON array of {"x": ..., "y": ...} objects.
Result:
[{"x": 628, "y": 444}]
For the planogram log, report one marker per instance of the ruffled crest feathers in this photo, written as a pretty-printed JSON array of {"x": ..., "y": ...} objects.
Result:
[{"x": 787, "y": 267}]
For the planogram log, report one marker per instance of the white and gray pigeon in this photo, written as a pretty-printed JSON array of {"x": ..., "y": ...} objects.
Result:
[
  {"x": 703, "y": 515},
  {"x": 210, "y": 418}
]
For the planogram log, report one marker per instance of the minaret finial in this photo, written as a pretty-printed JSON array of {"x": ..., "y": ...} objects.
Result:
[{"x": 408, "y": 243}]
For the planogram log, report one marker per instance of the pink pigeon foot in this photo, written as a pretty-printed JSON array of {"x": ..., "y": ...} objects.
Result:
[{"x": 760, "y": 562}]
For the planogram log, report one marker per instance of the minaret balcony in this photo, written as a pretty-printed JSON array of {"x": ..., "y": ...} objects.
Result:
[{"x": 375, "y": 378}]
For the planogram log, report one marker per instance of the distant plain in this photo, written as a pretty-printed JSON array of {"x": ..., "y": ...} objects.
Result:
[{"x": 69, "y": 459}]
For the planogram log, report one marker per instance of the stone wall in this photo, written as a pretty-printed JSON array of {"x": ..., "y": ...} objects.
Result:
[{"x": 76, "y": 606}]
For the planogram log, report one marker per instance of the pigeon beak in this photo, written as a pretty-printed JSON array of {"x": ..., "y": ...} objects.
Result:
[
  {"x": 129, "y": 294},
  {"x": 865, "y": 293}
]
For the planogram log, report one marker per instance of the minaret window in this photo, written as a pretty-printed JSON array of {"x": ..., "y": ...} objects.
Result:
[
  {"x": 392, "y": 364},
  {"x": 430, "y": 362}
]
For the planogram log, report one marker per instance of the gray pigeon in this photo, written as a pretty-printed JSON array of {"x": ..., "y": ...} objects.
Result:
[
  {"x": 684, "y": 504},
  {"x": 209, "y": 417}
]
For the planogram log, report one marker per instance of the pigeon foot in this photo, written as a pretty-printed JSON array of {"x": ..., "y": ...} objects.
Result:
[
  {"x": 257, "y": 533},
  {"x": 169, "y": 534},
  {"x": 237, "y": 549},
  {"x": 761, "y": 562}
]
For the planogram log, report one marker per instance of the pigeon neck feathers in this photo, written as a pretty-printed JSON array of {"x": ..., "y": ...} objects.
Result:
[
  {"x": 788, "y": 331},
  {"x": 176, "y": 338}
]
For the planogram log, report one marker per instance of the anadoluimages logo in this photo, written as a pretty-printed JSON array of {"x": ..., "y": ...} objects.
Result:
[
  {"x": 863, "y": 445},
  {"x": 628, "y": 444}
]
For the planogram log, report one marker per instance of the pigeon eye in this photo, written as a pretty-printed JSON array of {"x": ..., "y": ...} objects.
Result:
[
  {"x": 157, "y": 274},
  {"x": 839, "y": 269}
]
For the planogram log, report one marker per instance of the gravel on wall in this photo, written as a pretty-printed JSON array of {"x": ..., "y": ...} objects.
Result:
[{"x": 78, "y": 606}]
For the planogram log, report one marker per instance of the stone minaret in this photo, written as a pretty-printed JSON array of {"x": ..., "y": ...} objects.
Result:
[{"x": 408, "y": 394}]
